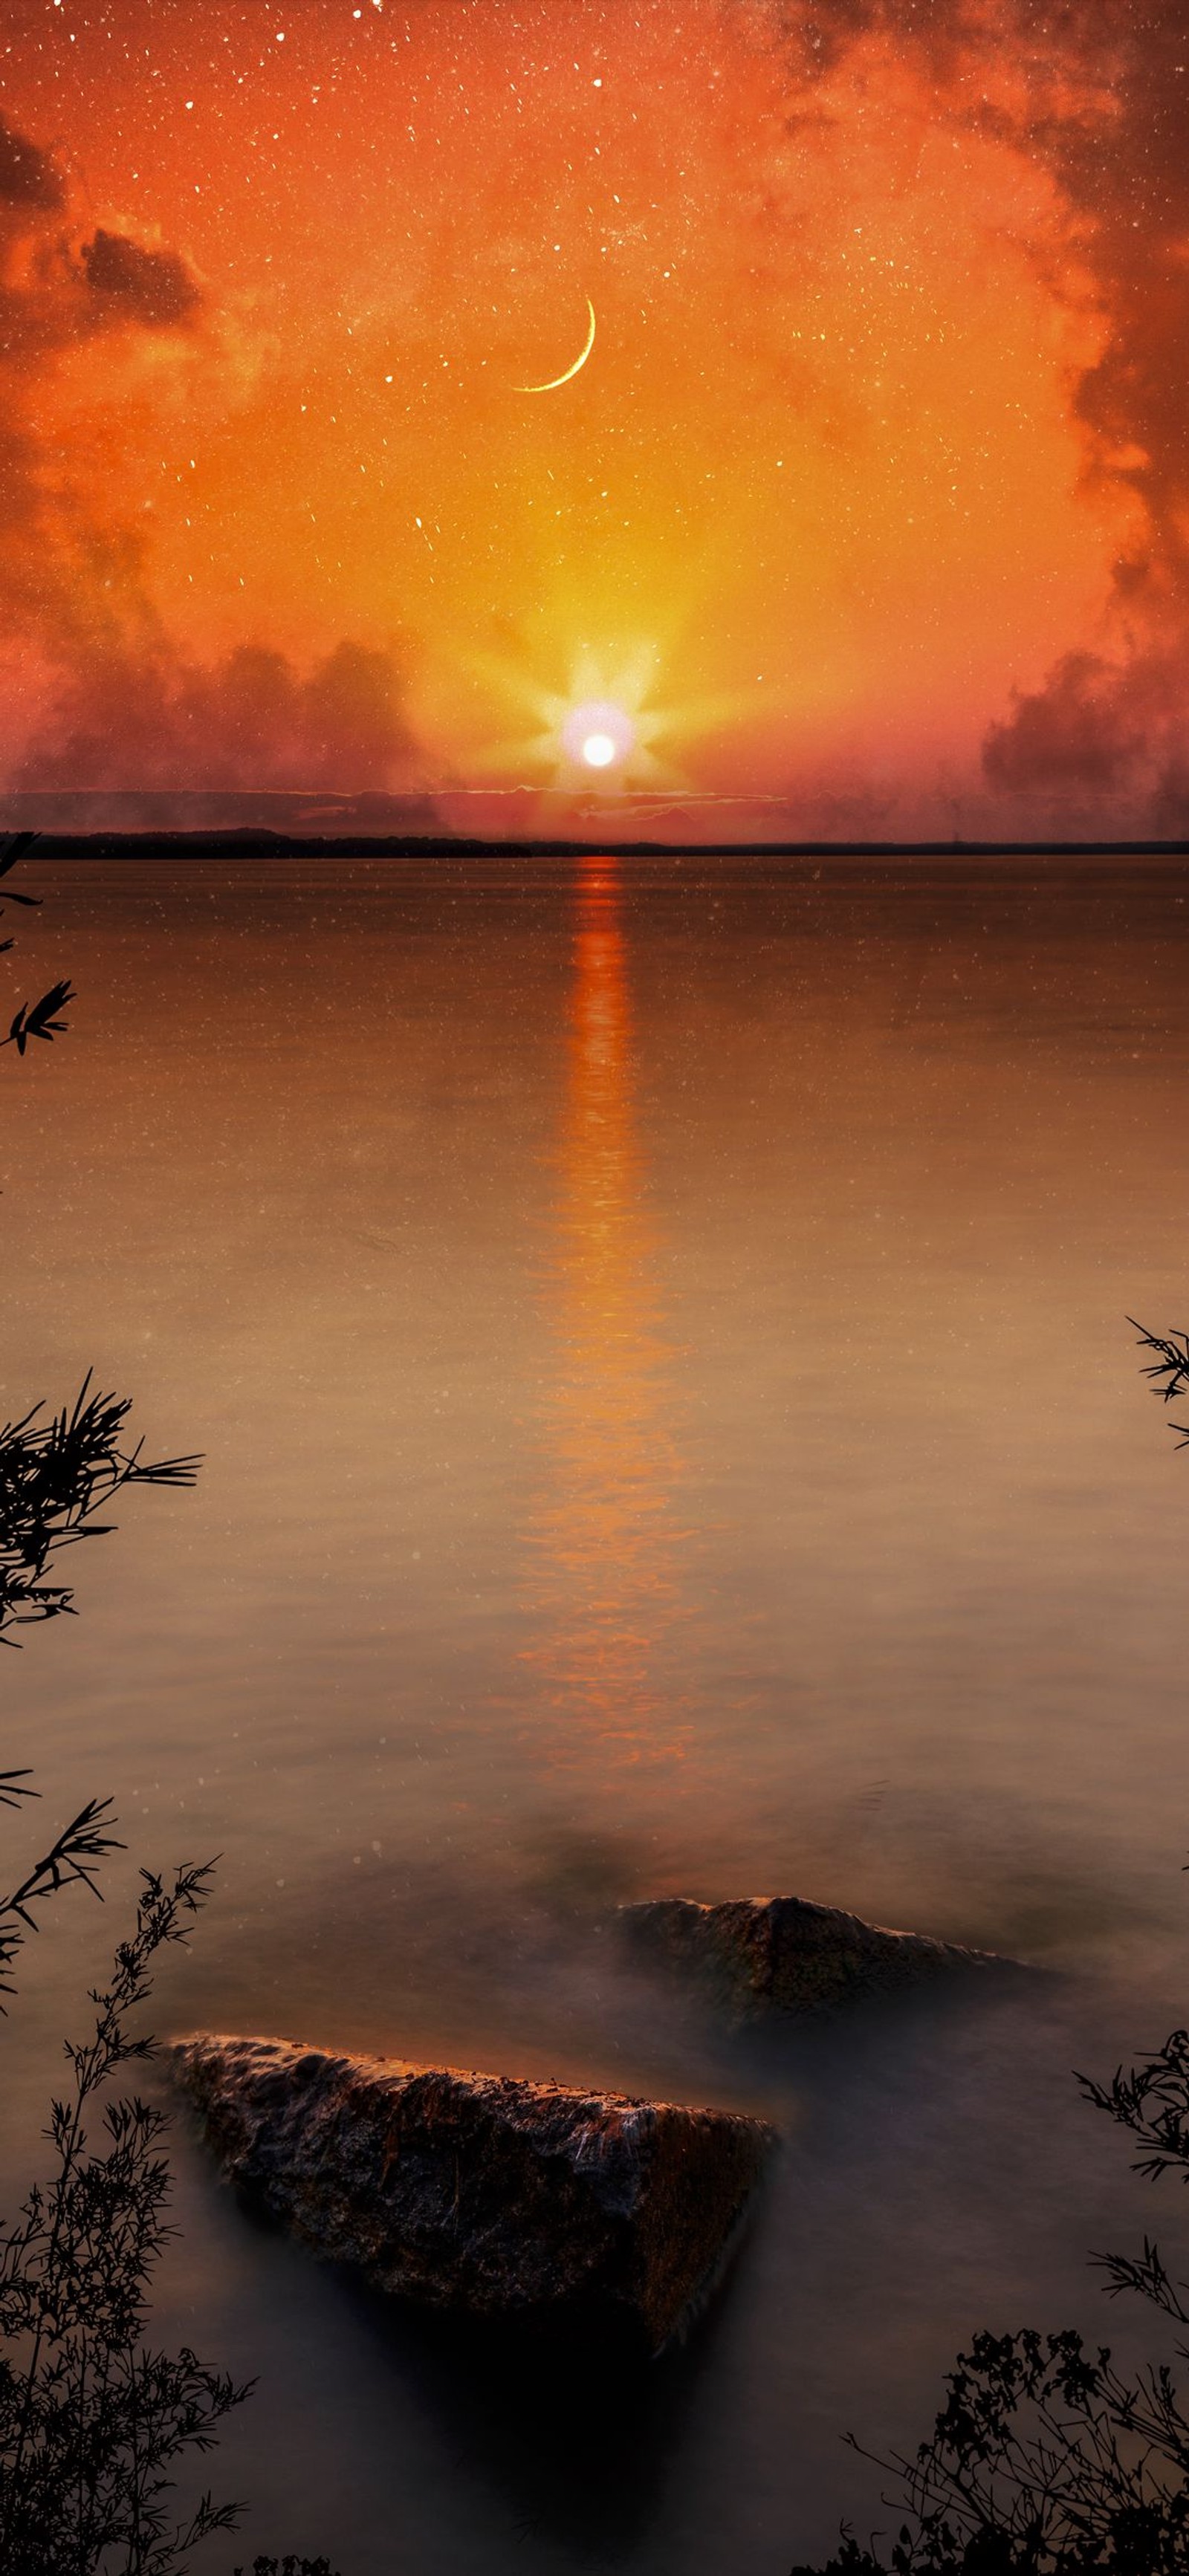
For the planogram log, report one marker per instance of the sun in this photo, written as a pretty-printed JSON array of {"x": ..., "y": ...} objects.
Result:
[
  {"x": 605, "y": 734},
  {"x": 599, "y": 733}
]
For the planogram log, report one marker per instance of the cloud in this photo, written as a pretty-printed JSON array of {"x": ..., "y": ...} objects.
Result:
[
  {"x": 57, "y": 288},
  {"x": 1110, "y": 725},
  {"x": 1102, "y": 734},
  {"x": 59, "y": 292},
  {"x": 1098, "y": 93},
  {"x": 147, "y": 722},
  {"x": 27, "y": 174},
  {"x": 1071, "y": 734},
  {"x": 122, "y": 708},
  {"x": 152, "y": 287}
]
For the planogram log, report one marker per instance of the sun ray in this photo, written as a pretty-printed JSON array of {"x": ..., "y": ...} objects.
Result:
[{"x": 613, "y": 693}]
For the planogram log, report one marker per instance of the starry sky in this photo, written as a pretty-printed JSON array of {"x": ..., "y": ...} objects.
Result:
[{"x": 868, "y": 510}]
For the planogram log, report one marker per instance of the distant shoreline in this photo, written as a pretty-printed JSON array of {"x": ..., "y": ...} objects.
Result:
[{"x": 259, "y": 842}]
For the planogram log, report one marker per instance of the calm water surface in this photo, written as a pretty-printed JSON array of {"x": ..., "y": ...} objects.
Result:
[{"x": 657, "y": 1335}]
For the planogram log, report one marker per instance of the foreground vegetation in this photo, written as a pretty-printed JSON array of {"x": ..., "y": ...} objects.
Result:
[
  {"x": 94, "y": 2420},
  {"x": 1045, "y": 2459}
]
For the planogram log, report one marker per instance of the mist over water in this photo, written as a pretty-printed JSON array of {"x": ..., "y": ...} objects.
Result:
[{"x": 657, "y": 1332}]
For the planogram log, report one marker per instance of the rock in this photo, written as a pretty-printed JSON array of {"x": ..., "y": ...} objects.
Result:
[
  {"x": 758, "y": 1955},
  {"x": 482, "y": 2193}
]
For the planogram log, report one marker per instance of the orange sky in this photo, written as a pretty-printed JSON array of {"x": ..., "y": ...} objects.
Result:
[{"x": 864, "y": 446}]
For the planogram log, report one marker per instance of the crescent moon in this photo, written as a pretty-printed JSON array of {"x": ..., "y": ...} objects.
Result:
[{"x": 554, "y": 381}]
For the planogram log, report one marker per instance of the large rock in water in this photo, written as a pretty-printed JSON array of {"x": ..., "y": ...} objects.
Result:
[
  {"x": 482, "y": 2192},
  {"x": 757, "y": 1955}
]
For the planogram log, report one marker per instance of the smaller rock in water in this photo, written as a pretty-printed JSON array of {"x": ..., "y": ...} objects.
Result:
[
  {"x": 758, "y": 1955},
  {"x": 482, "y": 2193}
]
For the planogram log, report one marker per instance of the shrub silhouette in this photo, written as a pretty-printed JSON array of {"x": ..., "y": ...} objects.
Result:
[
  {"x": 93, "y": 2420},
  {"x": 1046, "y": 2460}
]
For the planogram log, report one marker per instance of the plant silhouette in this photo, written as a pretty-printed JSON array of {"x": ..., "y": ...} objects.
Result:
[
  {"x": 1047, "y": 2460},
  {"x": 38, "y": 1019},
  {"x": 72, "y": 1856},
  {"x": 93, "y": 2420},
  {"x": 55, "y": 1474},
  {"x": 1169, "y": 1370},
  {"x": 34, "y": 1019}
]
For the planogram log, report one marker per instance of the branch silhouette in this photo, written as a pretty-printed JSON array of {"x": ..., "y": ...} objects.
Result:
[
  {"x": 55, "y": 1475},
  {"x": 34, "y": 1019},
  {"x": 91, "y": 2419},
  {"x": 38, "y": 1019},
  {"x": 71, "y": 1859},
  {"x": 1169, "y": 1370}
]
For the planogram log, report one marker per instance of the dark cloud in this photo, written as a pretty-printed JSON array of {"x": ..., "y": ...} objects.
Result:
[
  {"x": 145, "y": 722},
  {"x": 129, "y": 712},
  {"x": 1121, "y": 158},
  {"x": 58, "y": 572},
  {"x": 1126, "y": 171},
  {"x": 56, "y": 290},
  {"x": 1103, "y": 737},
  {"x": 1169, "y": 809},
  {"x": 27, "y": 174},
  {"x": 153, "y": 287},
  {"x": 1097, "y": 91},
  {"x": 1071, "y": 734}
]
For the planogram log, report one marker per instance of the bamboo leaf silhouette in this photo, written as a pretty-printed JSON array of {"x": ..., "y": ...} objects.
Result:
[
  {"x": 37, "y": 1019},
  {"x": 1169, "y": 1371},
  {"x": 56, "y": 1476},
  {"x": 1171, "y": 1363},
  {"x": 71, "y": 1858},
  {"x": 287, "y": 2566}
]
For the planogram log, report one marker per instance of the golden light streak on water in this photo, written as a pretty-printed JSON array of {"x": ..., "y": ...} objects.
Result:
[{"x": 604, "y": 1552}]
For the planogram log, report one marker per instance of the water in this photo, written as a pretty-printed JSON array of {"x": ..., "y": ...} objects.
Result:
[{"x": 657, "y": 1333}]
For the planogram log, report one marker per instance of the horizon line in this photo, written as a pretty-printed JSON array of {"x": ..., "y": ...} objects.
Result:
[{"x": 232, "y": 840}]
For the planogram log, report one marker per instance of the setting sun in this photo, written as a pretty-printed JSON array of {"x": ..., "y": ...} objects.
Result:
[{"x": 599, "y": 733}]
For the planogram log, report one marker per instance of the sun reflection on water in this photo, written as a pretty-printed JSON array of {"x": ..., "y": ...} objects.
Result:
[{"x": 604, "y": 1551}]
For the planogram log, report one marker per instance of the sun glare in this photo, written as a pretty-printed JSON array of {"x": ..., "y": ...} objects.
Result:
[
  {"x": 603, "y": 735},
  {"x": 598, "y": 733}
]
